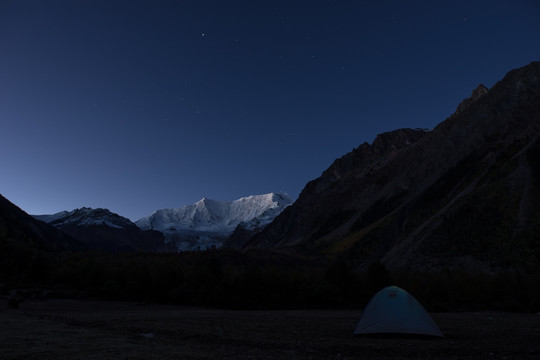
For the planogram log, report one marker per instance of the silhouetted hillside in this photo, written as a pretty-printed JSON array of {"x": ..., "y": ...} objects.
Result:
[
  {"x": 28, "y": 247},
  {"x": 17, "y": 227},
  {"x": 463, "y": 195}
]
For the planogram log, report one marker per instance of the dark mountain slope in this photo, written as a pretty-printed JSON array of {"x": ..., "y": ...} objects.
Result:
[
  {"x": 17, "y": 227},
  {"x": 465, "y": 194},
  {"x": 28, "y": 247}
]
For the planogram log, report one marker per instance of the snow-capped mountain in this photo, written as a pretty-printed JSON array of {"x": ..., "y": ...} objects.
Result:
[
  {"x": 87, "y": 217},
  {"x": 104, "y": 230},
  {"x": 208, "y": 222}
]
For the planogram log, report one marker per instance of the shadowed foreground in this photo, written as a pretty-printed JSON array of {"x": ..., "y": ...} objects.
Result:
[{"x": 71, "y": 329}]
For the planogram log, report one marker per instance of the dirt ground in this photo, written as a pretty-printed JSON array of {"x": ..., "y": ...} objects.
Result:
[{"x": 72, "y": 329}]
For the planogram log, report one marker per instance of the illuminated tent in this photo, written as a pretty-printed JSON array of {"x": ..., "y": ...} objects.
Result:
[{"x": 394, "y": 311}]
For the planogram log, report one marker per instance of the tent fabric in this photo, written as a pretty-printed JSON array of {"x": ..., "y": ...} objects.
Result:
[{"x": 394, "y": 311}]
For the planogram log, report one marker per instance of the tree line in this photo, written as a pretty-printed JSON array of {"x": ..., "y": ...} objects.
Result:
[{"x": 229, "y": 279}]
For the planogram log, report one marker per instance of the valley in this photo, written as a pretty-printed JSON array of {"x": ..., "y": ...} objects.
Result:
[{"x": 123, "y": 330}]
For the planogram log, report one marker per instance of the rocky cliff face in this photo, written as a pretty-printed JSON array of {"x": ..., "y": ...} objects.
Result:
[
  {"x": 464, "y": 194},
  {"x": 476, "y": 94}
]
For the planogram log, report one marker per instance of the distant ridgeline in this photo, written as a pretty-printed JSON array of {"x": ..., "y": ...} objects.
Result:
[{"x": 203, "y": 225}]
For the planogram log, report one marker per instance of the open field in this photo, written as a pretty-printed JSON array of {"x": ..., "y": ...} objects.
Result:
[{"x": 72, "y": 329}]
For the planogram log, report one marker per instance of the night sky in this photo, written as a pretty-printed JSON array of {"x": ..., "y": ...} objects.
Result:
[{"x": 140, "y": 105}]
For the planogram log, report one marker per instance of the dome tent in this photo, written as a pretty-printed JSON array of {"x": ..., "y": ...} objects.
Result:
[{"x": 394, "y": 311}]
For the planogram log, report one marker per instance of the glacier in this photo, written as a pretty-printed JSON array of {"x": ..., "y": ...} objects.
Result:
[{"x": 207, "y": 223}]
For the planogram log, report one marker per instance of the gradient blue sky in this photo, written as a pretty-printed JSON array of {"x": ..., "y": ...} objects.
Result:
[{"x": 141, "y": 105}]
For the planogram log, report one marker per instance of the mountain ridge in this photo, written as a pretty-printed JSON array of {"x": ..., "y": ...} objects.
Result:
[
  {"x": 211, "y": 214},
  {"x": 86, "y": 216},
  {"x": 104, "y": 230},
  {"x": 204, "y": 224},
  {"x": 376, "y": 203},
  {"x": 207, "y": 223}
]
